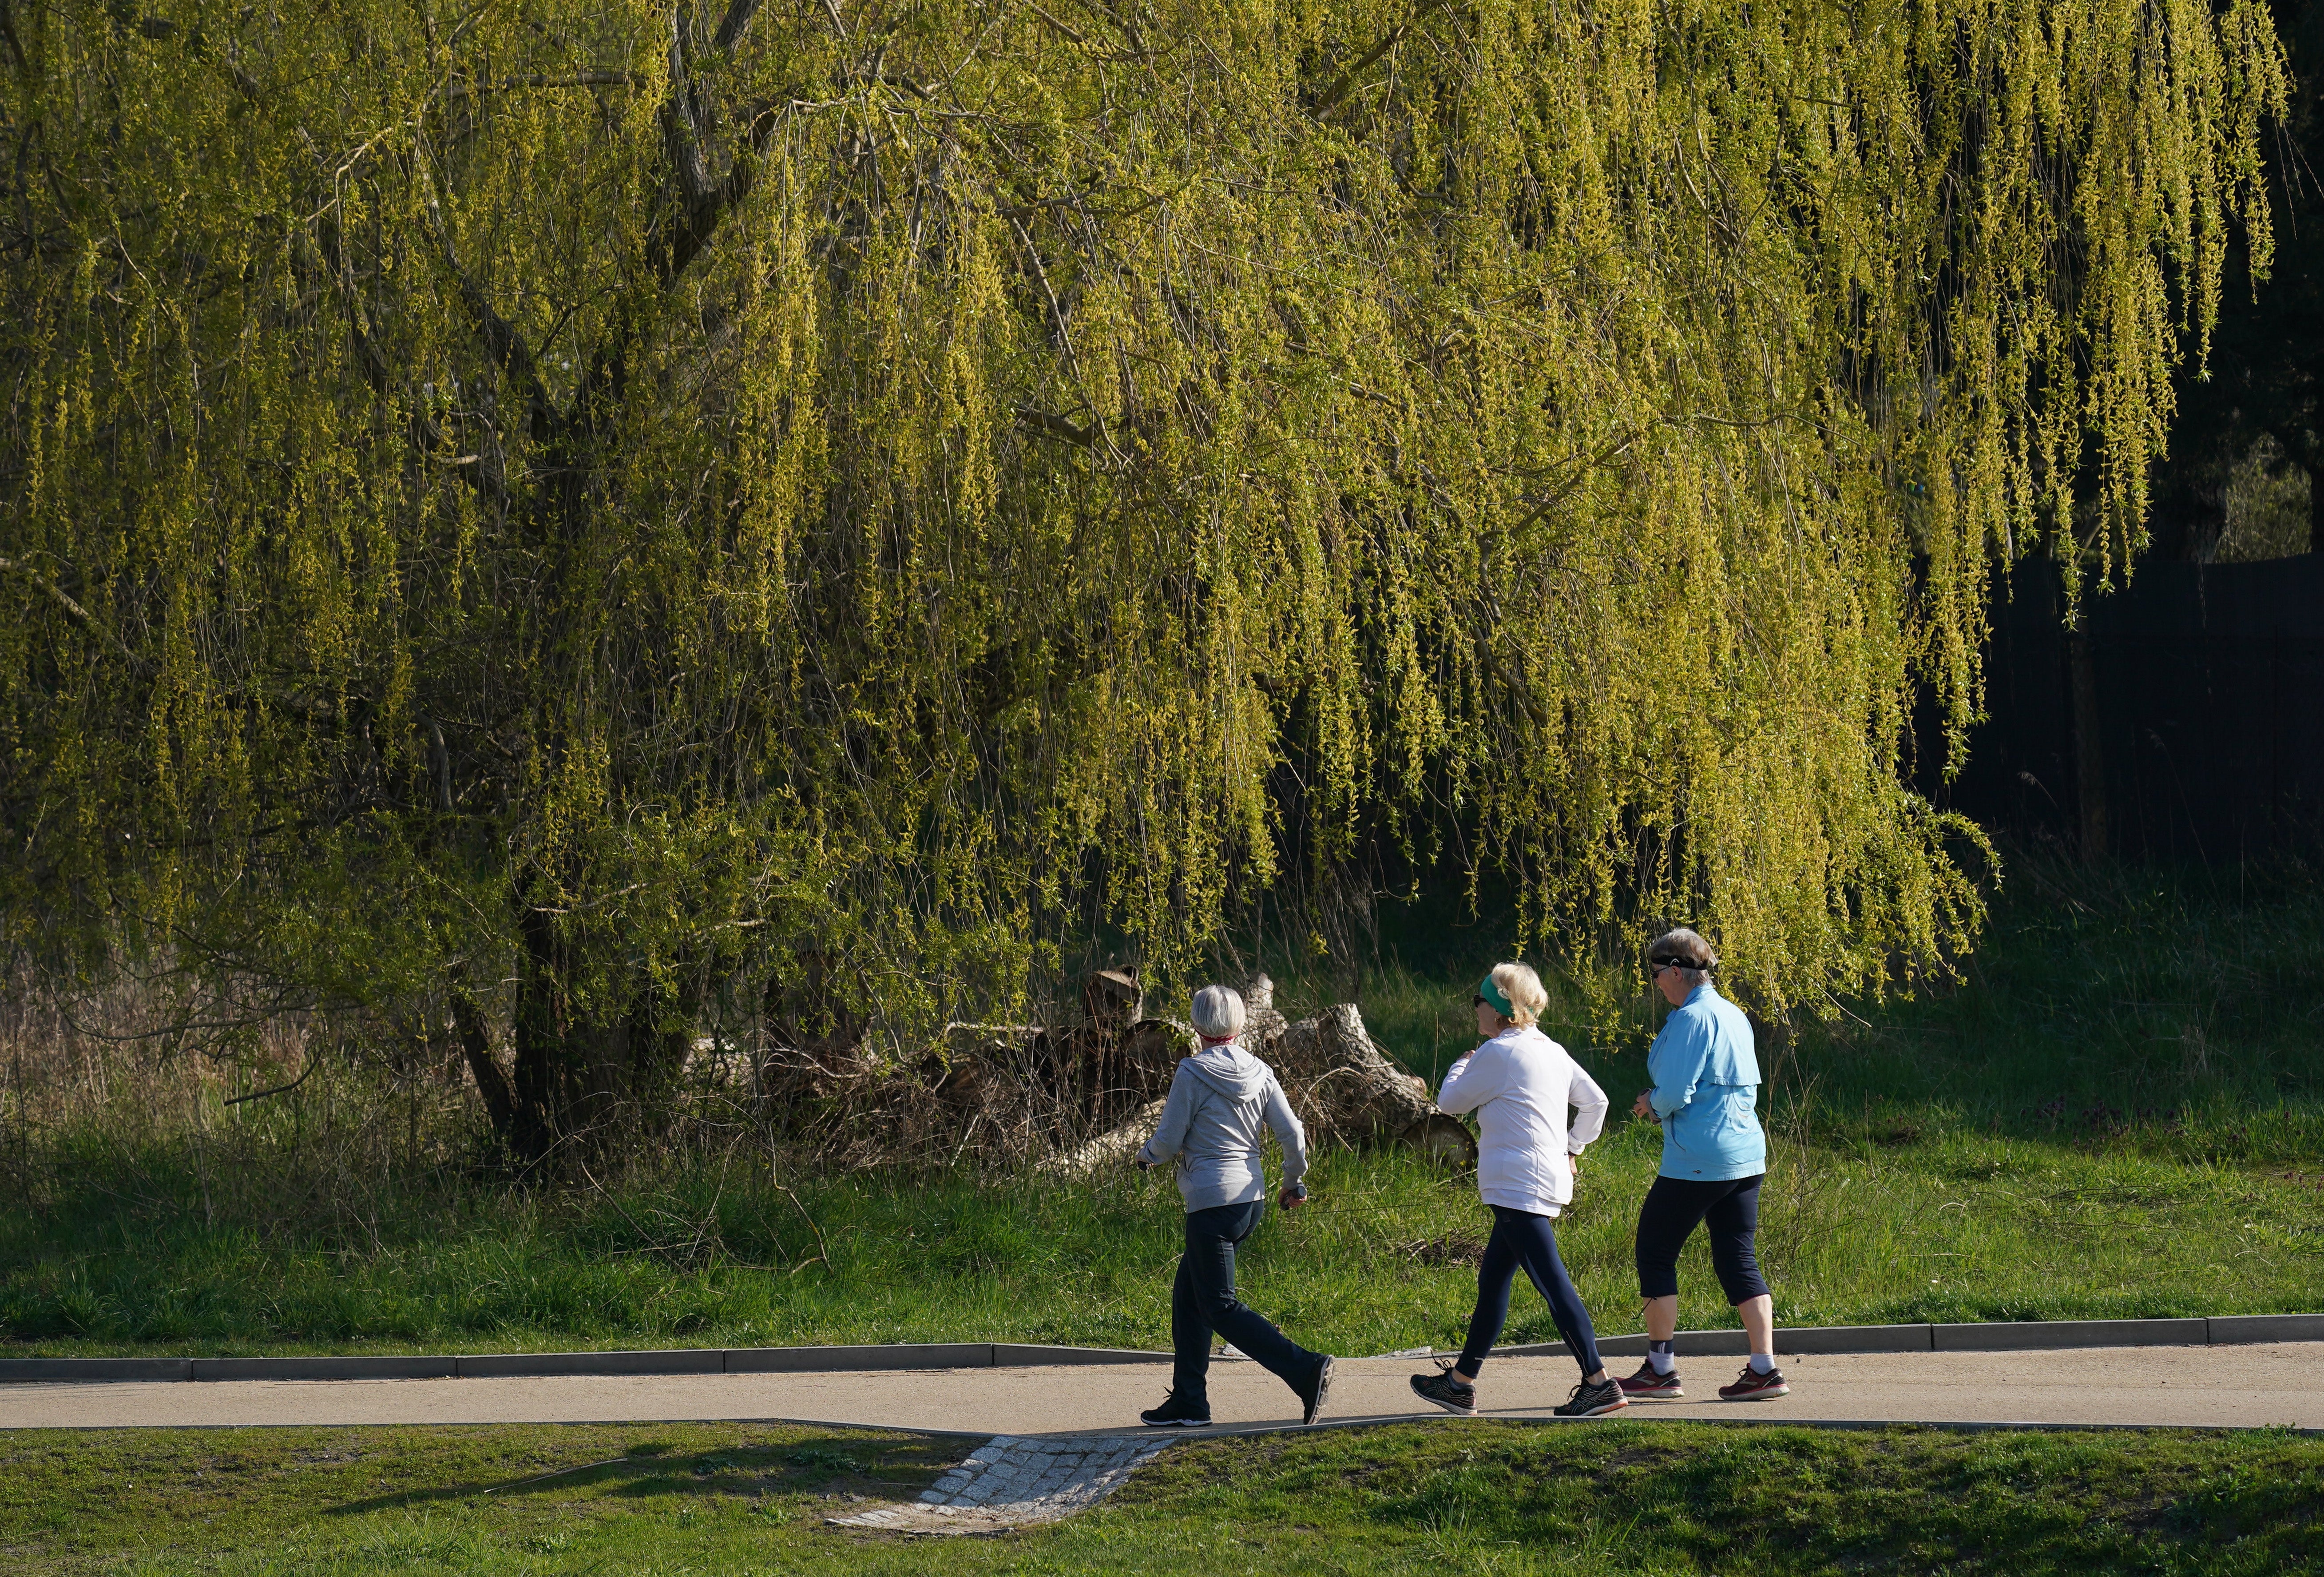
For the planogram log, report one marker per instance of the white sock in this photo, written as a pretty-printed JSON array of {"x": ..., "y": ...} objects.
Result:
[
  {"x": 1762, "y": 1362},
  {"x": 1663, "y": 1362}
]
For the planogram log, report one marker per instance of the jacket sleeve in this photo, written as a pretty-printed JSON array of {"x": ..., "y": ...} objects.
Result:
[
  {"x": 1472, "y": 1081},
  {"x": 1288, "y": 1132},
  {"x": 1589, "y": 1103},
  {"x": 1676, "y": 1061},
  {"x": 1177, "y": 1112}
]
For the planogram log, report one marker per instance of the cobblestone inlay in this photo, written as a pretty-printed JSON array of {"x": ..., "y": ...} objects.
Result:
[{"x": 1009, "y": 1482}]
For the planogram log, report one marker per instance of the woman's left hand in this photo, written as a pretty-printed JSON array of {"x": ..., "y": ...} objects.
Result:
[{"x": 1573, "y": 1164}]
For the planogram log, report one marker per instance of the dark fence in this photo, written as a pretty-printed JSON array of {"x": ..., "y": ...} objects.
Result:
[{"x": 2184, "y": 723}]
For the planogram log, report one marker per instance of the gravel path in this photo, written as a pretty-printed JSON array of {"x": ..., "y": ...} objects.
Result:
[{"x": 2244, "y": 1386}]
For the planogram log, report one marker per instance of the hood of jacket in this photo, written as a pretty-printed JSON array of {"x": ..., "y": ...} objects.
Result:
[{"x": 1230, "y": 1070}]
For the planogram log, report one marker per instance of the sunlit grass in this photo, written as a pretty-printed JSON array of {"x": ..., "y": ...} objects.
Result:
[
  {"x": 1629, "y": 1497},
  {"x": 2117, "y": 1114}
]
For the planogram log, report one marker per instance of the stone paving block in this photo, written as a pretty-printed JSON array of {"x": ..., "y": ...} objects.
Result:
[
  {"x": 1020, "y": 1355},
  {"x": 2037, "y": 1336},
  {"x": 1699, "y": 1343},
  {"x": 885, "y": 1355},
  {"x": 1009, "y": 1482},
  {"x": 353, "y": 1367},
  {"x": 2235, "y": 1329},
  {"x": 679, "y": 1361},
  {"x": 99, "y": 1370},
  {"x": 1821, "y": 1340}
]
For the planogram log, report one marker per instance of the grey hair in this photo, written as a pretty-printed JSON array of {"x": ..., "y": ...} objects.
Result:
[
  {"x": 1217, "y": 1012},
  {"x": 1685, "y": 948}
]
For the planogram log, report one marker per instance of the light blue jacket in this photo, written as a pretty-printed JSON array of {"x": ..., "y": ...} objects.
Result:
[{"x": 1706, "y": 1075}]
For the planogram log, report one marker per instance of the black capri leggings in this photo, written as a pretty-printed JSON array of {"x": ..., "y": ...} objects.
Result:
[{"x": 1667, "y": 1218}]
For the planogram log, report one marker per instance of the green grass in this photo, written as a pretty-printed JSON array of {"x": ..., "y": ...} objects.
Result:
[
  {"x": 1629, "y": 1497},
  {"x": 1954, "y": 1226},
  {"x": 2118, "y": 1114}
]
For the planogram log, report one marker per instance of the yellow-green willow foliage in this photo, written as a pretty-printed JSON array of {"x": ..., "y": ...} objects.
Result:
[{"x": 630, "y": 498}]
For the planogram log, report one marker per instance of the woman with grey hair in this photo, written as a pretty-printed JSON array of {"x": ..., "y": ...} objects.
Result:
[
  {"x": 1706, "y": 1073},
  {"x": 1221, "y": 1099}
]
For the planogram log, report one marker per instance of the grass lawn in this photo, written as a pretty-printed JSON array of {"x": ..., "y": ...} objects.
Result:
[
  {"x": 2120, "y": 1112},
  {"x": 1451, "y": 1496},
  {"x": 1960, "y": 1226}
]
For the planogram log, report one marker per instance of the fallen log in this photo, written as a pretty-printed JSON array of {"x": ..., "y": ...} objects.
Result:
[
  {"x": 1344, "y": 1086},
  {"x": 1337, "y": 1079},
  {"x": 1113, "y": 1147}
]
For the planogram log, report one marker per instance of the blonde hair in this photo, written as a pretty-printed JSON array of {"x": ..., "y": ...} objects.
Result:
[{"x": 1523, "y": 987}]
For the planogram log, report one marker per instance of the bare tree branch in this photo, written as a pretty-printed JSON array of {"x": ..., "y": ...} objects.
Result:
[
  {"x": 572, "y": 79},
  {"x": 1058, "y": 427},
  {"x": 1339, "y": 89},
  {"x": 734, "y": 24},
  {"x": 73, "y": 610},
  {"x": 503, "y": 343}
]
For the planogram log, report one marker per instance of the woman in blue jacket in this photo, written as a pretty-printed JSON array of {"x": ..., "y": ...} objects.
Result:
[{"x": 1706, "y": 1073}]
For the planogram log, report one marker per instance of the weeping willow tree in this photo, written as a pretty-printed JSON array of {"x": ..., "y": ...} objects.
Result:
[{"x": 631, "y": 499}]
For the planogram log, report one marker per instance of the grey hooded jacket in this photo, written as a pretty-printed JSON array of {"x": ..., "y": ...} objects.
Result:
[{"x": 1219, "y": 1098}]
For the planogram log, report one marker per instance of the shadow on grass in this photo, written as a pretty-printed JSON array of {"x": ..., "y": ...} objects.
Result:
[{"x": 883, "y": 1468}]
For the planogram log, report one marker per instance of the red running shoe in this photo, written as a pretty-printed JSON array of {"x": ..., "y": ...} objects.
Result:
[
  {"x": 1755, "y": 1386},
  {"x": 1647, "y": 1386}
]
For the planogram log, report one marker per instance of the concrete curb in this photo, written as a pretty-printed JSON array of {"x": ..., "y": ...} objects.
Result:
[
  {"x": 893, "y": 1356},
  {"x": 1644, "y": 1419},
  {"x": 2000, "y": 1336}
]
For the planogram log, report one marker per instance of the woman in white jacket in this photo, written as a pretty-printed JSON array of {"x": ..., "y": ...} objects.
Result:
[{"x": 1519, "y": 1083}]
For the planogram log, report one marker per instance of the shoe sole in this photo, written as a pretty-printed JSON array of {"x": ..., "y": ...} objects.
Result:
[
  {"x": 1672, "y": 1394},
  {"x": 1323, "y": 1390},
  {"x": 1768, "y": 1394},
  {"x": 1454, "y": 1408},
  {"x": 1615, "y": 1406},
  {"x": 1176, "y": 1423}
]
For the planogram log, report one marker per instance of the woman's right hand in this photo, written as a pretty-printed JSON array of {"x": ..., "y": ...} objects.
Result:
[{"x": 1644, "y": 1106}]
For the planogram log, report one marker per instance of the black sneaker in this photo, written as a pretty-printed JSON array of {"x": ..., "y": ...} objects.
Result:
[
  {"x": 1311, "y": 1394},
  {"x": 1446, "y": 1392},
  {"x": 1173, "y": 1413},
  {"x": 1587, "y": 1401},
  {"x": 1755, "y": 1386},
  {"x": 1647, "y": 1386}
]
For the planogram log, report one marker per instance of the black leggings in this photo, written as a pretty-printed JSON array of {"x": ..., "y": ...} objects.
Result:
[
  {"x": 1730, "y": 1210},
  {"x": 1521, "y": 1238}
]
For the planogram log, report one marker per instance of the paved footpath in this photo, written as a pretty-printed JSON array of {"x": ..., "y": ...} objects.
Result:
[{"x": 2234, "y": 1386}]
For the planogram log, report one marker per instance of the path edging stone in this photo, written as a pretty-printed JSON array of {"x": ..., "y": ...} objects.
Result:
[
  {"x": 1997, "y": 1336},
  {"x": 2032, "y": 1335}
]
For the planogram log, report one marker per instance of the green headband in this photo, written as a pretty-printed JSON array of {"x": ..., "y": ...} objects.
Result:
[{"x": 1495, "y": 998}]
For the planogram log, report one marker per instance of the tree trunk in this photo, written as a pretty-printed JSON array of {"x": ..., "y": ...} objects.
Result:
[
  {"x": 2090, "y": 756},
  {"x": 2315, "y": 499},
  {"x": 476, "y": 1046},
  {"x": 591, "y": 1078}
]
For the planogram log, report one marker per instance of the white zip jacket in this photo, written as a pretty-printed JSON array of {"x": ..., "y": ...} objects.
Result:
[{"x": 1519, "y": 1083}]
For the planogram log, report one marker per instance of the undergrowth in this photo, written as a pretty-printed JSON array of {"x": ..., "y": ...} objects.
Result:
[{"x": 2115, "y": 1113}]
